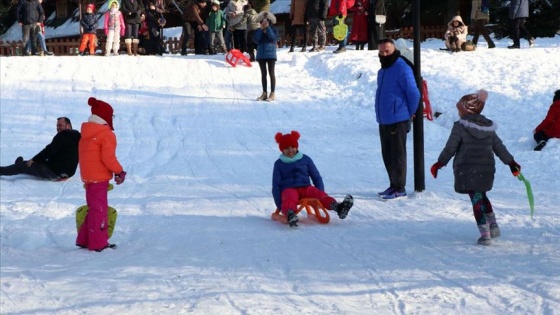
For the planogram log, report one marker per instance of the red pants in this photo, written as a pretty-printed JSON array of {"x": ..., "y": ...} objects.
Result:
[
  {"x": 93, "y": 233},
  {"x": 290, "y": 197},
  {"x": 92, "y": 40}
]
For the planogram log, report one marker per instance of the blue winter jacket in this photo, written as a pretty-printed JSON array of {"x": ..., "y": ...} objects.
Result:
[
  {"x": 89, "y": 23},
  {"x": 293, "y": 175},
  {"x": 266, "y": 43},
  {"x": 397, "y": 95}
]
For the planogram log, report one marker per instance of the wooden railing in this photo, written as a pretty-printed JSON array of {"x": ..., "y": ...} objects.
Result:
[
  {"x": 405, "y": 32},
  {"x": 69, "y": 46}
]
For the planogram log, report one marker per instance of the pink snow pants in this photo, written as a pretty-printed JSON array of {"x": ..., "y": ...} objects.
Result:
[
  {"x": 93, "y": 233},
  {"x": 290, "y": 197}
]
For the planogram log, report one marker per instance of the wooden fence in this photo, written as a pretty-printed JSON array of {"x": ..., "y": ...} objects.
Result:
[{"x": 69, "y": 46}]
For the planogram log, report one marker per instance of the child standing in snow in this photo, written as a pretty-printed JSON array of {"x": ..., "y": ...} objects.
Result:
[
  {"x": 114, "y": 28},
  {"x": 266, "y": 38},
  {"x": 473, "y": 143},
  {"x": 216, "y": 23},
  {"x": 290, "y": 181},
  {"x": 98, "y": 163},
  {"x": 89, "y": 29}
]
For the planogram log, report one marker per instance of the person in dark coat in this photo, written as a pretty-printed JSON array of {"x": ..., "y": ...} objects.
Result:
[
  {"x": 57, "y": 161},
  {"x": 550, "y": 126},
  {"x": 132, "y": 10},
  {"x": 196, "y": 15},
  {"x": 376, "y": 31},
  {"x": 518, "y": 13},
  {"x": 30, "y": 16},
  {"x": 291, "y": 180},
  {"x": 155, "y": 22},
  {"x": 473, "y": 143},
  {"x": 315, "y": 15}
]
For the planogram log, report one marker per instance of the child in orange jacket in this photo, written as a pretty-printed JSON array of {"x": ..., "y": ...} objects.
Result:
[{"x": 98, "y": 163}]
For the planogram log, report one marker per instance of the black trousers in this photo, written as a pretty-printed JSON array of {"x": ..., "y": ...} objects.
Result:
[
  {"x": 518, "y": 26},
  {"x": 480, "y": 29},
  {"x": 393, "y": 151},
  {"x": 375, "y": 33},
  {"x": 36, "y": 169},
  {"x": 263, "y": 63},
  {"x": 539, "y": 136}
]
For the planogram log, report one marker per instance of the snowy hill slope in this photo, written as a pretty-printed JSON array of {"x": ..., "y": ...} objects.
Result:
[{"x": 194, "y": 229}]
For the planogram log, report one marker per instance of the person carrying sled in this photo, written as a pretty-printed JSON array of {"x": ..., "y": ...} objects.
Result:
[
  {"x": 98, "y": 163},
  {"x": 473, "y": 143},
  {"x": 339, "y": 8},
  {"x": 57, "y": 161},
  {"x": 550, "y": 126},
  {"x": 456, "y": 34},
  {"x": 291, "y": 181}
]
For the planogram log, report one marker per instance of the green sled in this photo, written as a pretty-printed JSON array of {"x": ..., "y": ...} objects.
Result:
[{"x": 82, "y": 211}]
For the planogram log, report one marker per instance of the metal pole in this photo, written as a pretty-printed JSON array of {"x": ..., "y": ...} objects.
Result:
[{"x": 418, "y": 127}]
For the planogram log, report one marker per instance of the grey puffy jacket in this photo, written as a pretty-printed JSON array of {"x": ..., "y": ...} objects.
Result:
[{"x": 473, "y": 142}]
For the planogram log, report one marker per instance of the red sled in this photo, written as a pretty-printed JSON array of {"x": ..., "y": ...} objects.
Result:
[
  {"x": 427, "y": 105},
  {"x": 234, "y": 56},
  {"x": 312, "y": 206}
]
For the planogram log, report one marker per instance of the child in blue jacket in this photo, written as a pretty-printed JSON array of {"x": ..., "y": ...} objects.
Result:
[
  {"x": 89, "y": 28},
  {"x": 291, "y": 181}
]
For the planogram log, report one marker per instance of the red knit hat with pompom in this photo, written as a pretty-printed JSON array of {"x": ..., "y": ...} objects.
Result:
[
  {"x": 472, "y": 103},
  {"x": 287, "y": 140},
  {"x": 101, "y": 109}
]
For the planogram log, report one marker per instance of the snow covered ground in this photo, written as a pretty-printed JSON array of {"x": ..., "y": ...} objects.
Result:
[{"x": 194, "y": 232}]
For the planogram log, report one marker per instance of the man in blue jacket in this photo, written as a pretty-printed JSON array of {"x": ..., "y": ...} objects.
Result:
[{"x": 396, "y": 101}]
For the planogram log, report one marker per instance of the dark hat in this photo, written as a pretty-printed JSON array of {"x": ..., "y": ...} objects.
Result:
[
  {"x": 287, "y": 140},
  {"x": 101, "y": 109},
  {"x": 472, "y": 103},
  {"x": 556, "y": 96}
]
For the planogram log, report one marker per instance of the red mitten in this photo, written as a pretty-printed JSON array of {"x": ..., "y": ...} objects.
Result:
[
  {"x": 435, "y": 169},
  {"x": 514, "y": 168},
  {"x": 119, "y": 178}
]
